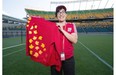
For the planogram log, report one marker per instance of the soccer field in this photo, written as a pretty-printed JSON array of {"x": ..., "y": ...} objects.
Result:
[{"x": 93, "y": 56}]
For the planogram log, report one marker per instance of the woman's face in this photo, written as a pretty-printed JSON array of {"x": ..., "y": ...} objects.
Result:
[{"x": 61, "y": 15}]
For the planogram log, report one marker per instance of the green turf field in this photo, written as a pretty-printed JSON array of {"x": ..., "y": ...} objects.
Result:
[{"x": 93, "y": 56}]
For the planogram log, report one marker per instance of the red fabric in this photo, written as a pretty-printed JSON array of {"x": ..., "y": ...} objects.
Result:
[
  {"x": 42, "y": 42},
  {"x": 68, "y": 47}
]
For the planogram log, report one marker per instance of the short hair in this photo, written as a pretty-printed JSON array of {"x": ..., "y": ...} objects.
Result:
[{"x": 58, "y": 8}]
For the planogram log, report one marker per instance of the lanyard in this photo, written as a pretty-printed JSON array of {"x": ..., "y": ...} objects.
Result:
[
  {"x": 62, "y": 55},
  {"x": 63, "y": 40}
]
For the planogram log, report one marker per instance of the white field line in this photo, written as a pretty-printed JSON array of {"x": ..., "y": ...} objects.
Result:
[
  {"x": 13, "y": 52},
  {"x": 97, "y": 56},
  {"x": 13, "y": 46}
]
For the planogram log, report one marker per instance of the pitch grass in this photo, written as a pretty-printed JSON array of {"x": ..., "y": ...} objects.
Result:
[{"x": 18, "y": 63}]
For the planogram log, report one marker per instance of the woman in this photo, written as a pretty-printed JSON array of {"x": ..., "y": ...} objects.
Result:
[{"x": 68, "y": 37}]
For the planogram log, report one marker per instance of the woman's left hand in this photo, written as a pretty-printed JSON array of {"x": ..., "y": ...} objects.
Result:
[{"x": 60, "y": 27}]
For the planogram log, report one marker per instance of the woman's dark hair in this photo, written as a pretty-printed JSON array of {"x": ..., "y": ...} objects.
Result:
[{"x": 58, "y": 8}]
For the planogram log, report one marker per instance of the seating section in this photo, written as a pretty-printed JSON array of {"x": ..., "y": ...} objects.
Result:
[
  {"x": 95, "y": 27},
  {"x": 85, "y": 14},
  {"x": 13, "y": 27}
]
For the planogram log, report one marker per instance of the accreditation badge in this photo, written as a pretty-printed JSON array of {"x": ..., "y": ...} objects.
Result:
[
  {"x": 69, "y": 29},
  {"x": 62, "y": 55}
]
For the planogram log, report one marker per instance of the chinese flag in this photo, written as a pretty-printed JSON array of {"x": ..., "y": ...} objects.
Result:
[{"x": 43, "y": 42}]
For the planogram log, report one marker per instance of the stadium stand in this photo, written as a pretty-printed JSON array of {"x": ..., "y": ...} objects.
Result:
[
  {"x": 13, "y": 27},
  {"x": 100, "y": 20},
  {"x": 85, "y": 14}
]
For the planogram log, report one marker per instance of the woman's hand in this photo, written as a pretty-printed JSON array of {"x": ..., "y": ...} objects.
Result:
[
  {"x": 71, "y": 37},
  {"x": 60, "y": 26}
]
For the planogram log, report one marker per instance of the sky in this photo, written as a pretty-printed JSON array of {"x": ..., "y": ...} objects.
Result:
[{"x": 16, "y": 8}]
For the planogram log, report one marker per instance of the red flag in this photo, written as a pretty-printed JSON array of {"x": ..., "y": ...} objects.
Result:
[{"x": 43, "y": 42}]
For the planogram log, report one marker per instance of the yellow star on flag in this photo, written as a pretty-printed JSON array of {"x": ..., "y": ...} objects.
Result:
[
  {"x": 29, "y": 18},
  {"x": 28, "y": 21},
  {"x": 31, "y": 52},
  {"x": 31, "y": 27},
  {"x": 37, "y": 42},
  {"x": 36, "y": 47},
  {"x": 42, "y": 45},
  {"x": 35, "y": 26},
  {"x": 27, "y": 25},
  {"x": 36, "y": 54},
  {"x": 31, "y": 46},
  {"x": 30, "y": 32},
  {"x": 44, "y": 49},
  {"x": 35, "y": 31},
  {"x": 40, "y": 37},
  {"x": 40, "y": 52},
  {"x": 34, "y": 38},
  {"x": 30, "y": 40}
]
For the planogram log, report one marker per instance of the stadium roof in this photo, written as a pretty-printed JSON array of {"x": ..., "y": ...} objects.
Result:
[
  {"x": 79, "y": 7},
  {"x": 6, "y": 17},
  {"x": 84, "y": 4}
]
